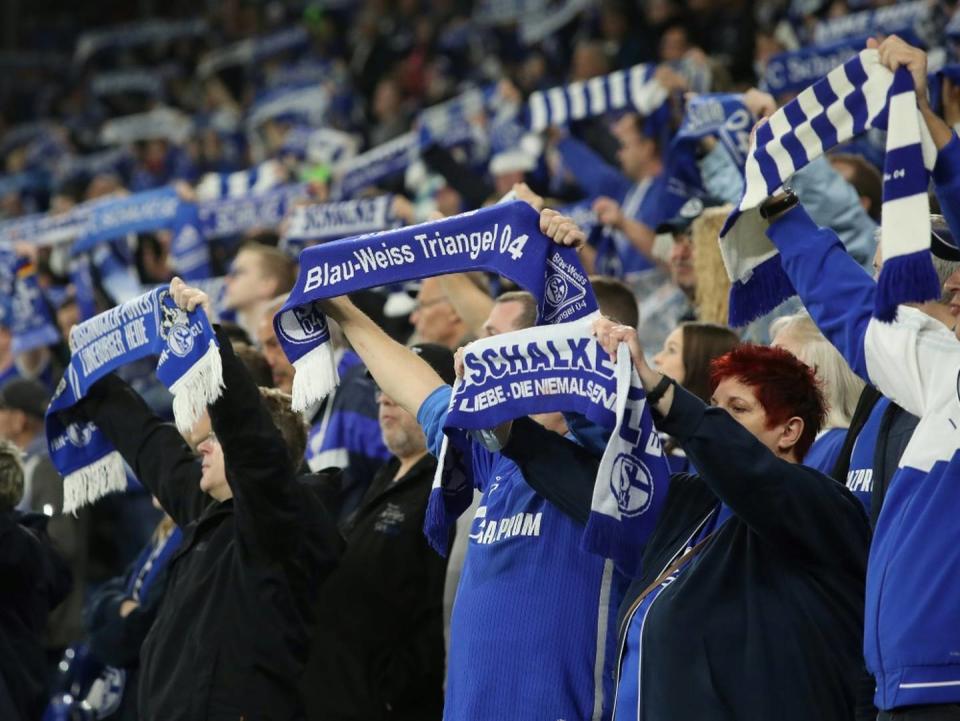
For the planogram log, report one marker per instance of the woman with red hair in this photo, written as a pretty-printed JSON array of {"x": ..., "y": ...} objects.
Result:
[{"x": 749, "y": 603}]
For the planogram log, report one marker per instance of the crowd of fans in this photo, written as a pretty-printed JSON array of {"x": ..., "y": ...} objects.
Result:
[{"x": 272, "y": 564}]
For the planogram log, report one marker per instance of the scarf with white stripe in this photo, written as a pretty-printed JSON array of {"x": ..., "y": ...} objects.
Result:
[
  {"x": 503, "y": 239},
  {"x": 859, "y": 95},
  {"x": 632, "y": 89},
  {"x": 546, "y": 369},
  {"x": 320, "y": 222},
  {"x": 149, "y": 325}
]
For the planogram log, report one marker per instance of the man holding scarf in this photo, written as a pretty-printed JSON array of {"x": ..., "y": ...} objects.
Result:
[
  {"x": 532, "y": 632},
  {"x": 232, "y": 637}
]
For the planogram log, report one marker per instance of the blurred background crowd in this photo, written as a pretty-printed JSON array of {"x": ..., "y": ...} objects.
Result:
[{"x": 246, "y": 110}]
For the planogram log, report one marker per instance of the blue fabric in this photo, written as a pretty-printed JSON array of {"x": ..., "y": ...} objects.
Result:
[
  {"x": 142, "y": 576},
  {"x": 523, "y": 555},
  {"x": 794, "y": 70},
  {"x": 32, "y": 323},
  {"x": 860, "y": 473},
  {"x": 189, "y": 249},
  {"x": 231, "y": 216},
  {"x": 825, "y": 451},
  {"x": 137, "y": 213},
  {"x": 322, "y": 222},
  {"x": 719, "y": 115},
  {"x": 900, "y": 19}
]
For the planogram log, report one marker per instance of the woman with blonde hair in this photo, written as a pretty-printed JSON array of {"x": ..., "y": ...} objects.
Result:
[{"x": 800, "y": 336}]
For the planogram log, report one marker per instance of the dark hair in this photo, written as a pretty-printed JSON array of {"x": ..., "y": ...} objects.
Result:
[
  {"x": 288, "y": 422},
  {"x": 615, "y": 299},
  {"x": 702, "y": 342},
  {"x": 235, "y": 333},
  {"x": 256, "y": 365},
  {"x": 865, "y": 179},
  {"x": 785, "y": 387}
]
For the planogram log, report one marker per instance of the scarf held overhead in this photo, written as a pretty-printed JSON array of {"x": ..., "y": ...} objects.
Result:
[
  {"x": 188, "y": 365},
  {"x": 547, "y": 369},
  {"x": 859, "y": 95},
  {"x": 503, "y": 239}
]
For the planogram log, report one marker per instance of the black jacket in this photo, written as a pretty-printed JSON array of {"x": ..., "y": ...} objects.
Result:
[
  {"x": 34, "y": 578},
  {"x": 767, "y": 621},
  {"x": 116, "y": 640},
  {"x": 231, "y": 638},
  {"x": 378, "y": 651}
]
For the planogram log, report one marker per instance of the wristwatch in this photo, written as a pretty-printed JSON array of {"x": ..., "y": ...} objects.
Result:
[
  {"x": 654, "y": 396},
  {"x": 778, "y": 204}
]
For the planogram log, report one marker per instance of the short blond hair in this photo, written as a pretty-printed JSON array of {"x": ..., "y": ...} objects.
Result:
[
  {"x": 841, "y": 386},
  {"x": 712, "y": 295}
]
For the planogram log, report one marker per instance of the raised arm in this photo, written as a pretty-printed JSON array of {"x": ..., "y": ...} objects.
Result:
[
  {"x": 907, "y": 360},
  {"x": 397, "y": 370},
  {"x": 593, "y": 174},
  {"x": 154, "y": 449}
]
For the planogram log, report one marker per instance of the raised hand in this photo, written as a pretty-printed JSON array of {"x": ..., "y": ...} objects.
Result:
[{"x": 561, "y": 229}]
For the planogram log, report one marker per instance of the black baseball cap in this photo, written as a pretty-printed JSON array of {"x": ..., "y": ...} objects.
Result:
[
  {"x": 689, "y": 212},
  {"x": 942, "y": 243},
  {"x": 438, "y": 357},
  {"x": 20, "y": 394}
]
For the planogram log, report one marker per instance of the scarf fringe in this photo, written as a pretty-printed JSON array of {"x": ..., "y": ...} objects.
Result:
[
  {"x": 766, "y": 288},
  {"x": 315, "y": 377},
  {"x": 94, "y": 481},
  {"x": 909, "y": 278},
  {"x": 200, "y": 386}
]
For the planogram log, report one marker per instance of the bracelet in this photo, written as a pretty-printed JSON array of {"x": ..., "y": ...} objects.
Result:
[{"x": 654, "y": 396}]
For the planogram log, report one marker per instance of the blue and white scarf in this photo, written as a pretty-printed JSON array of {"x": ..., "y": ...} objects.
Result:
[
  {"x": 189, "y": 365},
  {"x": 189, "y": 250},
  {"x": 137, "y": 33},
  {"x": 632, "y": 89},
  {"x": 232, "y": 216},
  {"x": 163, "y": 123},
  {"x": 795, "y": 70},
  {"x": 138, "y": 213},
  {"x": 503, "y": 239},
  {"x": 306, "y": 102},
  {"x": 558, "y": 368},
  {"x": 134, "y": 80},
  {"x": 901, "y": 19},
  {"x": 719, "y": 115},
  {"x": 375, "y": 164},
  {"x": 858, "y": 95},
  {"x": 252, "y": 50},
  {"x": 252, "y": 181},
  {"x": 33, "y": 325},
  {"x": 309, "y": 224}
]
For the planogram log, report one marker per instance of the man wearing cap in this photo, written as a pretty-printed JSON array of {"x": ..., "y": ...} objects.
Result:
[
  {"x": 378, "y": 652},
  {"x": 23, "y": 404}
]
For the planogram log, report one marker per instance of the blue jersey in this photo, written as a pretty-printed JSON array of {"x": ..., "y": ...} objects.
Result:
[
  {"x": 825, "y": 450},
  {"x": 533, "y": 629},
  {"x": 860, "y": 474}
]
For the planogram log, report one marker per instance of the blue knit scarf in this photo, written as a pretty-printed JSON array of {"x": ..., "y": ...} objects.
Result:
[{"x": 189, "y": 365}]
